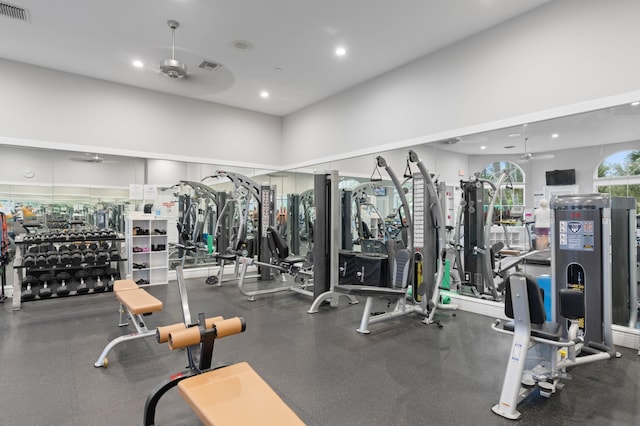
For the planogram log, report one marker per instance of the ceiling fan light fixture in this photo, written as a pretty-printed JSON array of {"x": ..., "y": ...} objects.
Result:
[{"x": 171, "y": 67}]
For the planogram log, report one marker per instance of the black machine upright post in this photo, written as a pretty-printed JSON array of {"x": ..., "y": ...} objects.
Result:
[
  {"x": 266, "y": 219},
  {"x": 294, "y": 223},
  {"x": 473, "y": 218},
  {"x": 322, "y": 235},
  {"x": 347, "y": 238}
]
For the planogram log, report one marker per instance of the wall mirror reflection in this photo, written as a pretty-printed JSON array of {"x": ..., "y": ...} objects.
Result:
[{"x": 214, "y": 209}]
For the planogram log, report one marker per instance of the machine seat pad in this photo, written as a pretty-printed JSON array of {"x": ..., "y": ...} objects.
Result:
[
  {"x": 235, "y": 395},
  {"x": 293, "y": 259},
  {"x": 547, "y": 330},
  {"x": 231, "y": 256},
  {"x": 370, "y": 290},
  {"x": 138, "y": 301}
]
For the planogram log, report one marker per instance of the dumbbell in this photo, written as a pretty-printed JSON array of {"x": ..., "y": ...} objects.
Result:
[
  {"x": 63, "y": 290},
  {"x": 41, "y": 260},
  {"x": 53, "y": 259},
  {"x": 65, "y": 258},
  {"x": 89, "y": 256},
  {"x": 29, "y": 260},
  {"x": 99, "y": 286},
  {"x": 45, "y": 291},
  {"x": 76, "y": 258},
  {"x": 102, "y": 256},
  {"x": 82, "y": 287},
  {"x": 28, "y": 294},
  {"x": 111, "y": 274},
  {"x": 93, "y": 246},
  {"x": 114, "y": 253}
]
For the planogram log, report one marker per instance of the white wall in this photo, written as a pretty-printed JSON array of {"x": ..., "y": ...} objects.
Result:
[
  {"x": 42, "y": 107},
  {"x": 557, "y": 57}
]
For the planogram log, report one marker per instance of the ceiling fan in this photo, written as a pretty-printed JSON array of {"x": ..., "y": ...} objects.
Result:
[
  {"x": 528, "y": 156},
  {"x": 173, "y": 68},
  {"x": 91, "y": 158}
]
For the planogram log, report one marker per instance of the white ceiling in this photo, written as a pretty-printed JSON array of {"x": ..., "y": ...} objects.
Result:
[{"x": 292, "y": 42}]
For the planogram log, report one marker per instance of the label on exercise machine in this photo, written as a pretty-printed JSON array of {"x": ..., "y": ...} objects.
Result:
[
  {"x": 515, "y": 353},
  {"x": 576, "y": 235}
]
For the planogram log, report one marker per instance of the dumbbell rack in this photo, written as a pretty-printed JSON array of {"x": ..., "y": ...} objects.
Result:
[
  {"x": 55, "y": 253},
  {"x": 147, "y": 250}
]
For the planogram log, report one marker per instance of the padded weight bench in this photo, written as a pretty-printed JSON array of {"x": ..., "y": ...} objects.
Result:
[
  {"x": 136, "y": 302},
  {"x": 235, "y": 395},
  {"x": 228, "y": 395}
]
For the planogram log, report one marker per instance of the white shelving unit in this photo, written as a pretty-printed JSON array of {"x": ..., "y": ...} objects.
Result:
[
  {"x": 517, "y": 236},
  {"x": 147, "y": 248}
]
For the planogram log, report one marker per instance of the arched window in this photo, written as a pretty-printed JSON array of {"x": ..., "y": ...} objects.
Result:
[
  {"x": 511, "y": 192},
  {"x": 619, "y": 175}
]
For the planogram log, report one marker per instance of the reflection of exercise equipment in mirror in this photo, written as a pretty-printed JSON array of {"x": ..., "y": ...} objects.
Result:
[
  {"x": 482, "y": 269},
  {"x": 418, "y": 269}
]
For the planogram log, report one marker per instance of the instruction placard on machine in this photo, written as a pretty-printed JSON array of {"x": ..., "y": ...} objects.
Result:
[{"x": 576, "y": 235}]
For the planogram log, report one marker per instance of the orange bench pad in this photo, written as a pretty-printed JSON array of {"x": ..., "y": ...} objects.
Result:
[
  {"x": 236, "y": 395},
  {"x": 121, "y": 285},
  {"x": 138, "y": 301}
]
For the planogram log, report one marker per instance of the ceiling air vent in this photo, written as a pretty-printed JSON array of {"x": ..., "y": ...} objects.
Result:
[
  {"x": 210, "y": 66},
  {"x": 11, "y": 11}
]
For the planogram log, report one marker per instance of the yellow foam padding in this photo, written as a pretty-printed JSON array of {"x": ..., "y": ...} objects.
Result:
[
  {"x": 191, "y": 336},
  {"x": 162, "y": 333},
  {"x": 138, "y": 301},
  {"x": 120, "y": 285},
  {"x": 236, "y": 395}
]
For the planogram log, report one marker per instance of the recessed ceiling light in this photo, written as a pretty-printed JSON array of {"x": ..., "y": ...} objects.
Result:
[
  {"x": 241, "y": 45},
  {"x": 483, "y": 147},
  {"x": 514, "y": 135},
  {"x": 264, "y": 94},
  {"x": 555, "y": 135},
  {"x": 138, "y": 64},
  {"x": 341, "y": 51},
  {"x": 636, "y": 103}
]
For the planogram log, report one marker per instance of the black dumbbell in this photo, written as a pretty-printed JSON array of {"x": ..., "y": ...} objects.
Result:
[
  {"x": 76, "y": 258},
  {"x": 63, "y": 290},
  {"x": 110, "y": 274},
  {"x": 102, "y": 256},
  {"x": 82, "y": 286},
  {"x": 99, "y": 286},
  {"x": 89, "y": 256},
  {"x": 93, "y": 246},
  {"x": 41, "y": 260},
  {"x": 29, "y": 260},
  {"x": 114, "y": 253},
  {"x": 53, "y": 259},
  {"x": 28, "y": 294},
  {"x": 45, "y": 291}
]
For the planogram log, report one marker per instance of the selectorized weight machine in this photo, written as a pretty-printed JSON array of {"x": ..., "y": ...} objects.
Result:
[{"x": 583, "y": 229}]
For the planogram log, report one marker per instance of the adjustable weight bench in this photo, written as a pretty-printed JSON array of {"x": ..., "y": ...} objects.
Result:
[
  {"x": 228, "y": 395},
  {"x": 135, "y": 302}
]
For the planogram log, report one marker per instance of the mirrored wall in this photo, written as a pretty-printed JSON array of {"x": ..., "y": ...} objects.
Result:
[{"x": 55, "y": 187}]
